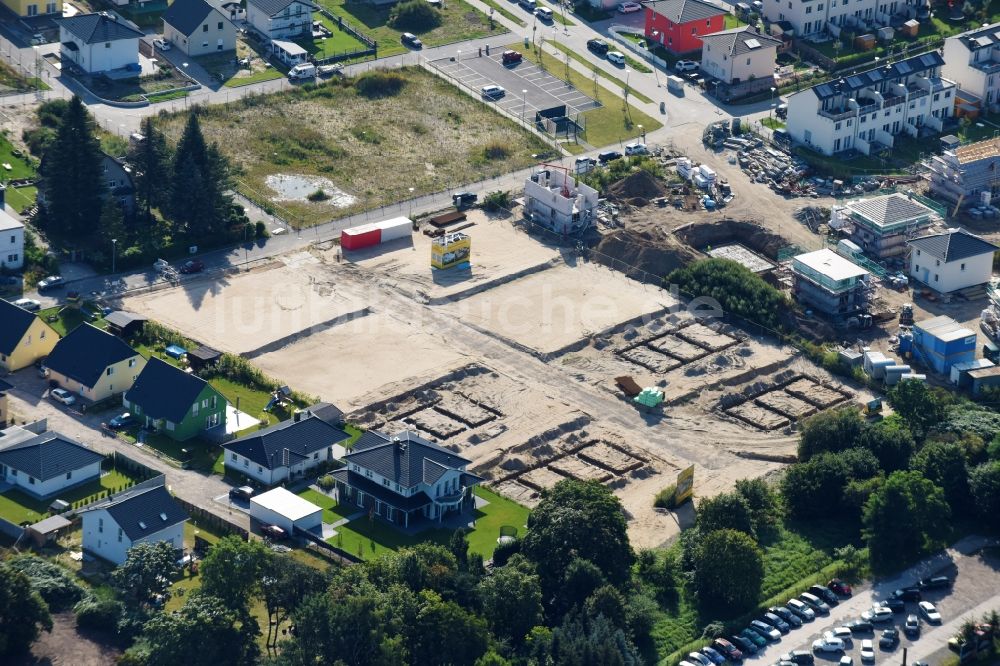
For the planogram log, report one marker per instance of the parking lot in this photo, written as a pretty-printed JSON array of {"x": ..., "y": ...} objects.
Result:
[{"x": 541, "y": 89}]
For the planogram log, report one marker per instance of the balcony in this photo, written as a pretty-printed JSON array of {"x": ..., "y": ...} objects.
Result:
[
  {"x": 893, "y": 101},
  {"x": 917, "y": 93},
  {"x": 837, "y": 114},
  {"x": 986, "y": 66}
]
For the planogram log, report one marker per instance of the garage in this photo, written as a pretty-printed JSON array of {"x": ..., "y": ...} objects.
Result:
[{"x": 286, "y": 510}]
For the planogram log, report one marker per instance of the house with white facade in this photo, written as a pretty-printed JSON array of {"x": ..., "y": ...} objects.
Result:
[
  {"x": 740, "y": 57},
  {"x": 865, "y": 111},
  {"x": 144, "y": 513},
  {"x": 99, "y": 42},
  {"x": 287, "y": 450},
  {"x": 11, "y": 241},
  {"x": 281, "y": 19},
  {"x": 972, "y": 61},
  {"x": 405, "y": 478},
  {"x": 196, "y": 28},
  {"x": 951, "y": 261},
  {"x": 812, "y": 17},
  {"x": 553, "y": 199},
  {"x": 43, "y": 465}
]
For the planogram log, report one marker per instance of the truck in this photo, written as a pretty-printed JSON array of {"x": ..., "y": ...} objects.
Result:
[
  {"x": 304, "y": 70},
  {"x": 675, "y": 84}
]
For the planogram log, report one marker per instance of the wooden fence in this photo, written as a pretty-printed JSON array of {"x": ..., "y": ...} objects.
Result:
[{"x": 213, "y": 521}]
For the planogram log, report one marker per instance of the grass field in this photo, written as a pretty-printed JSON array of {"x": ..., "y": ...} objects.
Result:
[
  {"x": 607, "y": 124},
  {"x": 619, "y": 83},
  {"x": 21, "y": 198},
  {"x": 18, "y": 507},
  {"x": 166, "y": 96},
  {"x": 459, "y": 21},
  {"x": 502, "y": 11},
  {"x": 20, "y": 166},
  {"x": 332, "y": 511},
  {"x": 64, "y": 318},
  {"x": 339, "y": 41},
  {"x": 429, "y": 136}
]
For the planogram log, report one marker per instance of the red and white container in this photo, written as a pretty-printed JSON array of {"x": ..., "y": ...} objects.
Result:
[
  {"x": 397, "y": 227},
  {"x": 360, "y": 237}
]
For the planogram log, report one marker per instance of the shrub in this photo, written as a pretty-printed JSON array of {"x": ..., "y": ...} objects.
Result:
[
  {"x": 318, "y": 195},
  {"x": 497, "y": 201},
  {"x": 735, "y": 288},
  {"x": 261, "y": 230},
  {"x": 666, "y": 498},
  {"x": 55, "y": 584},
  {"x": 98, "y": 614},
  {"x": 325, "y": 482},
  {"x": 414, "y": 16},
  {"x": 375, "y": 85},
  {"x": 496, "y": 150}
]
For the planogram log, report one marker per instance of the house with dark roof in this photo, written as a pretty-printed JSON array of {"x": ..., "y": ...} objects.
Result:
[
  {"x": 144, "y": 513},
  {"x": 741, "y": 58},
  {"x": 196, "y": 28},
  {"x": 24, "y": 337},
  {"x": 94, "y": 364},
  {"x": 287, "y": 450},
  {"x": 125, "y": 324},
  {"x": 281, "y": 19},
  {"x": 178, "y": 404},
  {"x": 881, "y": 225},
  {"x": 46, "y": 464},
  {"x": 98, "y": 42},
  {"x": 121, "y": 186},
  {"x": 951, "y": 261},
  {"x": 678, "y": 25},
  {"x": 405, "y": 478}
]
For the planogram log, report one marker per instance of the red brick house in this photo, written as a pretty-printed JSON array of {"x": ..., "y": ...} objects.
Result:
[{"x": 676, "y": 24}]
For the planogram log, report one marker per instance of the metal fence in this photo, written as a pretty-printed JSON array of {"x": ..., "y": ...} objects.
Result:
[{"x": 371, "y": 44}]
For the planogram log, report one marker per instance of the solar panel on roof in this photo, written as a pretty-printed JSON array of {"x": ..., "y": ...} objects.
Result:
[
  {"x": 903, "y": 67},
  {"x": 824, "y": 90},
  {"x": 752, "y": 44},
  {"x": 854, "y": 82},
  {"x": 984, "y": 41}
]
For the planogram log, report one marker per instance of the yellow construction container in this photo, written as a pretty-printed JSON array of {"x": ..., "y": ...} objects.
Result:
[{"x": 450, "y": 250}]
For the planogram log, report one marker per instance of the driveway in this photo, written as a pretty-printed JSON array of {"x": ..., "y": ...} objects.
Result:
[{"x": 976, "y": 590}]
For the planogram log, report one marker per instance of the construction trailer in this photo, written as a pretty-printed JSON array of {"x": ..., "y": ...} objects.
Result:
[
  {"x": 966, "y": 175},
  {"x": 881, "y": 225},
  {"x": 830, "y": 283},
  {"x": 941, "y": 342}
]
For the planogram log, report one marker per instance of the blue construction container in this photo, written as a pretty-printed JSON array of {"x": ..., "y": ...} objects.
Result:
[{"x": 941, "y": 342}]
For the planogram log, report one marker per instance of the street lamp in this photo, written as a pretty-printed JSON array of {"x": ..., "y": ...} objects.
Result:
[
  {"x": 642, "y": 133},
  {"x": 411, "y": 204},
  {"x": 771, "y": 109},
  {"x": 628, "y": 73},
  {"x": 114, "y": 254},
  {"x": 524, "y": 100},
  {"x": 656, "y": 35}
]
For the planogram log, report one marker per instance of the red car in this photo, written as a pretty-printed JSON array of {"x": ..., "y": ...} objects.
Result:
[
  {"x": 511, "y": 57},
  {"x": 840, "y": 587},
  {"x": 193, "y": 266},
  {"x": 730, "y": 651}
]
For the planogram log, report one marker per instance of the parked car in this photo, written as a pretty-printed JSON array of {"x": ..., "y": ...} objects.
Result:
[
  {"x": 840, "y": 587},
  {"x": 511, "y": 57},
  {"x": 635, "y": 148},
  {"x": 815, "y": 602},
  {"x": 493, "y": 92},
  {"x": 544, "y": 13},
  {"x": 933, "y": 583},
  {"x": 584, "y": 164},
  {"x": 846, "y": 660},
  {"x": 682, "y": 66},
  {"x": 843, "y": 633},
  {"x": 629, "y": 7},
  {"x": 907, "y": 594},
  {"x": 912, "y": 626},
  {"x": 193, "y": 266},
  {"x": 828, "y": 644},
  {"x": 867, "y": 650},
  {"x": 824, "y": 593},
  {"x": 274, "y": 532},
  {"x": 781, "y": 111},
  {"x": 63, "y": 396},
  {"x": 411, "y": 40},
  {"x": 598, "y": 46},
  {"x": 162, "y": 44},
  {"x": 765, "y": 630},
  {"x": 464, "y": 199},
  {"x": 776, "y": 622},
  {"x": 798, "y": 657},
  {"x": 29, "y": 304},
  {"x": 930, "y": 612},
  {"x": 801, "y": 609},
  {"x": 860, "y": 626},
  {"x": 608, "y": 156},
  {"x": 877, "y": 614},
  {"x": 241, "y": 493},
  {"x": 123, "y": 420},
  {"x": 753, "y": 637},
  {"x": 788, "y": 616},
  {"x": 616, "y": 58},
  {"x": 529, "y": 5},
  {"x": 895, "y": 605},
  {"x": 889, "y": 639},
  {"x": 714, "y": 655},
  {"x": 38, "y": 39},
  {"x": 745, "y": 645},
  {"x": 51, "y": 282},
  {"x": 699, "y": 658},
  {"x": 731, "y": 652}
]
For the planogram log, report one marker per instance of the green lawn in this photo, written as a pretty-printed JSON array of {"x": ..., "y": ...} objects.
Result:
[
  {"x": 20, "y": 166},
  {"x": 773, "y": 123},
  {"x": 731, "y": 22},
  {"x": 264, "y": 75},
  {"x": 619, "y": 83},
  {"x": 460, "y": 21},
  {"x": 18, "y": 507},
  {"x": 166, "y": 96},
  {"x": 21, "y": 198},
  {"x": 607, "y": 124},
  {"x": 499, "y": 9},
  {"x": 557, "y": 15},
  {"x": 370, "y": 538},
  {"x": 66, "y": 318},
  {"x": 332, "y": 511},
  {"x": 340, "y": 41}
]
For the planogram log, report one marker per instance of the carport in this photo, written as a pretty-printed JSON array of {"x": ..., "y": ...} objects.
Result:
[{"x": 286, "y": 510}]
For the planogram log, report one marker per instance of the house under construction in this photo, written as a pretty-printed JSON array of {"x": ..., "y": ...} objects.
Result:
[
  {"x": 881, "y": 225},
  {"x": 962, "y": 175},
  {"x": 830, "y": 283}
]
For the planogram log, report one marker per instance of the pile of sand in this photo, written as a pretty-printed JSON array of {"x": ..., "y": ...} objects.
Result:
[
  {"x": 638, "y": 188},
  {"x": 650, "y": 252}
]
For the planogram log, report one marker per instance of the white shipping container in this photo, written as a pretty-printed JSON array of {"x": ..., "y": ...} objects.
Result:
[
  {"x": 397, "y": 227},
  {"x": 361, "y": 229}
]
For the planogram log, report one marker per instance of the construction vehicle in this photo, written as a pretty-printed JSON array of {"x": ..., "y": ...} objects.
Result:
[{"x": 906, "y": 315}]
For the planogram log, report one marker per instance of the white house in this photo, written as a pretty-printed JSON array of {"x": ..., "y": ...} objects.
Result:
[
  {"x": 865, "y": 111},
  {"x": 286, "y": 450},
  {"x": 972, "y": 60},
  {"x": 739, "y": 55},
  {"x": 98, "y": 42},
  {"x": 195, "y": 27},
  {"x": 281, "y": 19},
  {"x": 11, "y": 241},
  {"x": 45, "y": 464},
  {"x": 554, "y": 200},
  {"x": 145, "y": 513},
  {"x": 286, "y": 510},
  {"x": 951, "y": 261},
  {"x": 810, "y": 17}
]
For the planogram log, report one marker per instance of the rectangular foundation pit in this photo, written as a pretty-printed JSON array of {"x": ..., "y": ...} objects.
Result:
[
  {"x": 518, "y": 492},
  {"x": 786, "y": 404},
  {"x": 579, "y": 469},
  {"x": 758, "y": 417},
  {"x": 682, "y": 350},
  {"x": 706, "y": 338},
  {"x": 816, "y": 394},
  {"x": 610, "y": 458},
  {"x": 650, "y": 359},
  {"x": 432, "y": 421},
  {"x": 464, "y": 410},
  {"x": 541, "y": 478}
]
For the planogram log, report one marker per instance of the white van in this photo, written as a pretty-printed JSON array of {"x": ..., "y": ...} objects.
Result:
[
  {"x": 635, "y": 148},
  {"x": 544, "y": 13},
  {"x": 616, "y": 57},
  {"x": 305, "y": 70}
]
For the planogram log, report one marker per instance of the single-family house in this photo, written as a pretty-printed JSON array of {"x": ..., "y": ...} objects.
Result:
[
  {"x": 4, "y": 404},
  {"x": 93, "y": 364},
  {"x": 29, "y": 8},
  {"x": 144, "y": 513},
  {"x": 830, "y": 283},
  {"x": 178, "y": 404},
  {"x": 24, "y": 337},
  {"x": 46, "y": 464},
  {"x": 121, "y": 186},
  {"x": 286, "y": 450},
  {"x": 741, "y": 59},
  {"x": 678, "y": 25},
  {"x": 98, "y": 42},
  {"x": 951, "y": 261},
  {"x": 813, "y": 17},
  {"x": 11, "y": 241},
  {"x": 866, "y": 110},
  {"x": 195, "y": 28},
  {"x": 404, "y": 478},
  {"x": 281, "y": 19}
]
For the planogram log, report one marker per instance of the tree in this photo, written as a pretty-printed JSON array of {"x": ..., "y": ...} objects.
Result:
[
  {"x": 233, "y": 571},
  {"x": 23, "y": 612},
  {"x": 764, "y": 503},
  {"x": 150, "y": 159},
  {"x": 285, "y": 586},
  {"x": 920, "y": 406},
  {"x": 512, "y": 600},
  {"x": 906, "y": 517},
  {"x": 815, "y": 489},
  {"x": 832, "y": 431},
  {"x": 577, "y": 519},
  {"x": 147, "y": 571},
  {"x": 944, "y": 465},
  {"x": 984, "y": 483},
  {"x": 200, "y": 178},
  {"x": 204, "y": 632},
  {"x": 728, "y": 572},
  {"x": 414, "y": 16},
  {"x": 583, "y": 640},
  {"x": 443, "y": 630},
  {"x": 72, "y": 184},
  {"x": 890, "y": 441},
  {"x": 725, "y": 511}
]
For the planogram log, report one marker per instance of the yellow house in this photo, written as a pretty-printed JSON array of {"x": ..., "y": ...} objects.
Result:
[
  {"x": 4, "y": 406},
  {"x": 24, "y": 337},
  {"x": 93, "y": 364},
  {"x": 34, "y": 7}
]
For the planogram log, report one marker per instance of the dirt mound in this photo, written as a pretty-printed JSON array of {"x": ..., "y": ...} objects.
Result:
[
  {"x": 651, "y": 252},
  {"x": 638, "y": 188},
  {"x": 745, "y": 232}
]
